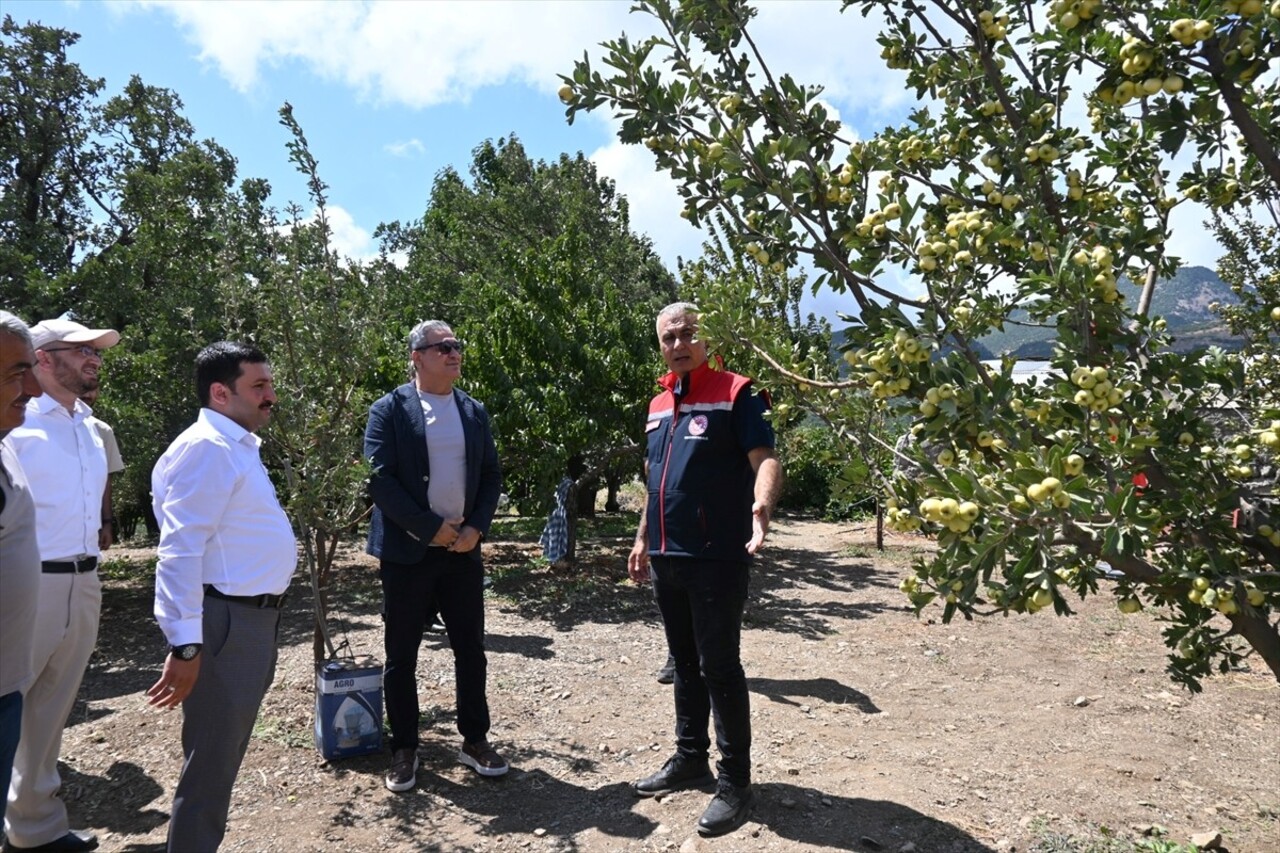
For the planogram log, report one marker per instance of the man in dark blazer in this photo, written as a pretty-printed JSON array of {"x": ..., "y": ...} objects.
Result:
[{"x": 435, "y": 487}]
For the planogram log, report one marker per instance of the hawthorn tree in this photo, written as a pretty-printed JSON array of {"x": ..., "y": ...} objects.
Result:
[{"x": 1050, "y": 144}]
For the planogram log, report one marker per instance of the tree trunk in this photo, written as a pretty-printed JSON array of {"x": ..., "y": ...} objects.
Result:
[
  {"x": 1264, "y": 637},
  {"x": 571, "y": 526},
  {"x": 613, "y": 481},
  {"x": 879, "y": 525},
  {"x": 319, "y": 562},
  {"x": 586, "y": 501}
]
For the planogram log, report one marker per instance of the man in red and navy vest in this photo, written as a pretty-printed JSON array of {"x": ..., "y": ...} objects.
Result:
[{"x": 713, "y": 480}]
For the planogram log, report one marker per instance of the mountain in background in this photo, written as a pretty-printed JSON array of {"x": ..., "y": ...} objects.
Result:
[{"x": 1183, "y": 301}]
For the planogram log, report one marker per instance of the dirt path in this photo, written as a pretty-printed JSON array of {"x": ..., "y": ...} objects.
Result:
[{"x": 873, "y": 730}]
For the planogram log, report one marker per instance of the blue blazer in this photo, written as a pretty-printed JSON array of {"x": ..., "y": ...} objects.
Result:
[{"x": 395, "y": 442}]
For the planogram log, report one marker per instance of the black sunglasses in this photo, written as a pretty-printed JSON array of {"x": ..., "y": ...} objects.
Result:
[{"x": 444, "y": 347}]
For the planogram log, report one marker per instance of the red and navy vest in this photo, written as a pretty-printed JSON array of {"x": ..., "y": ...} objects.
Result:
[{"x": 700, "y": 478}]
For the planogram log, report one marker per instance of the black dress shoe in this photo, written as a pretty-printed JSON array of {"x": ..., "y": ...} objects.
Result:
[
  {"x": 678, "y": 773},
  {"x": 727, "y": 811},
  {"x": 73, "y": 842}
]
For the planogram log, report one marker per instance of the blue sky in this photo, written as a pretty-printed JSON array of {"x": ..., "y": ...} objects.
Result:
[{"x": 389, "y": 93}]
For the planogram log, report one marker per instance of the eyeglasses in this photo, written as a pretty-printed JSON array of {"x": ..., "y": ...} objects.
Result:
[
  {"x": 84, "y": 350},
  {"x": 688, "y": 337},
  {"x": 444, "y": 347}
]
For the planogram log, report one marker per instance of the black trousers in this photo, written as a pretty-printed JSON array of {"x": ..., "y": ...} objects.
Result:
[
  {"x": 701, "y": 602},
  {"x": 455, "y": 582}
]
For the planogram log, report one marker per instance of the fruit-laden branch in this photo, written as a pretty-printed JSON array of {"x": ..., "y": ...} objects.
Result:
[
  {"x": 1254, "y": 138},
  {"x": 1260, "y": 634},
  {"x": 1160, "y": 481},
  {"x": 816, "y": 231},
  {"x": 796, "y": 377}
]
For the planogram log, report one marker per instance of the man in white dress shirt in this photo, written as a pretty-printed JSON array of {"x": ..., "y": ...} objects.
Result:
[
  {"x": 226, "y": 555},
  {"x": 66, "y": 467}
]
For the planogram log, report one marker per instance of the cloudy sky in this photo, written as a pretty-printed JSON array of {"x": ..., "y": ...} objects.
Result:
[{"x": 389, "y": 93}]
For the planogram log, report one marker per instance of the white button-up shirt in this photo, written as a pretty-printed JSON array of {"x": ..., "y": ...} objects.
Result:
[
  {"x": 67, "y": 468},
  {"x": 220, "y": 524}
]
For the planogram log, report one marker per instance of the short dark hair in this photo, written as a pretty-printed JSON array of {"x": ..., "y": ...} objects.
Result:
[{"x": 221, "y": 362}]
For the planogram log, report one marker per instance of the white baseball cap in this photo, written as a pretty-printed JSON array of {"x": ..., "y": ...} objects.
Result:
[{"x": 68, "y": 331}]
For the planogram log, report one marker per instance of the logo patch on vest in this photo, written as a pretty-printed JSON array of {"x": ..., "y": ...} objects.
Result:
[{"x": 698, "y": 425}]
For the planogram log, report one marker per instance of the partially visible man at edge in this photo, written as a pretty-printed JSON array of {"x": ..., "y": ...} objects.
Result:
[
  {"x": 227, "y": 553},
  {"x": 713, "y": 481},
  {"x": 66, "y": 467},
  {"x": 19, "y": 553}
]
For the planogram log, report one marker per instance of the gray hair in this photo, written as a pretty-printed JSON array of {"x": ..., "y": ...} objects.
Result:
[
  {"x": 418, "y": 337},
  {"x": 11, "y": 324},
  {"x": 677, "y": 309}
]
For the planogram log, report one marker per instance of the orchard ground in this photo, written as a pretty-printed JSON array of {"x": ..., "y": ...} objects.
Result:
[{"x": 874, "y": 730}]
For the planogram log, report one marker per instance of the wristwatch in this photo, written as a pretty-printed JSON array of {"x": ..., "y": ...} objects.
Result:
[{"x": 186, "y": 652}]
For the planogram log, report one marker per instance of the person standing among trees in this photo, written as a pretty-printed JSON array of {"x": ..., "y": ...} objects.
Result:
[
  {"x": 227, "y": 553},
  {"x": 713, "y": 481},
  {"x": 19, "y": 553},
  {"x": 66, "y": 466},
  {"x": 435, "y": 488}
]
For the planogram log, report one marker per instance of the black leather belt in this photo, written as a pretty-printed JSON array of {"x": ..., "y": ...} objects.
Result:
[
  {"x": 266, "y": 601},
  {"x": 70, "y": 567}
]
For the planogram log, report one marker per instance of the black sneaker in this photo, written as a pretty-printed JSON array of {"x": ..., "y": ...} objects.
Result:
[
  {"x": 680, "y": 772},
  {"x": 402, "y": 774},
  {"x": 667, "y": 675},
  {"x": 728, "y": 809}
]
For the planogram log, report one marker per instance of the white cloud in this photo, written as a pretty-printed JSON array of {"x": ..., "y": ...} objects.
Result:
[
  {"x": 422, "y": 54},
  {"x": 405, "y": 147},
  {"x": 817, "y": 44},
  {"x": 347, "y": 238},
  {"x": 653, "y": 201},
  {"x": 416, "y": 54}
]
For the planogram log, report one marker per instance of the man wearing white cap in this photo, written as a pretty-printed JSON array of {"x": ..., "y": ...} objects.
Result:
[{"x": 66, "y": 466}]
